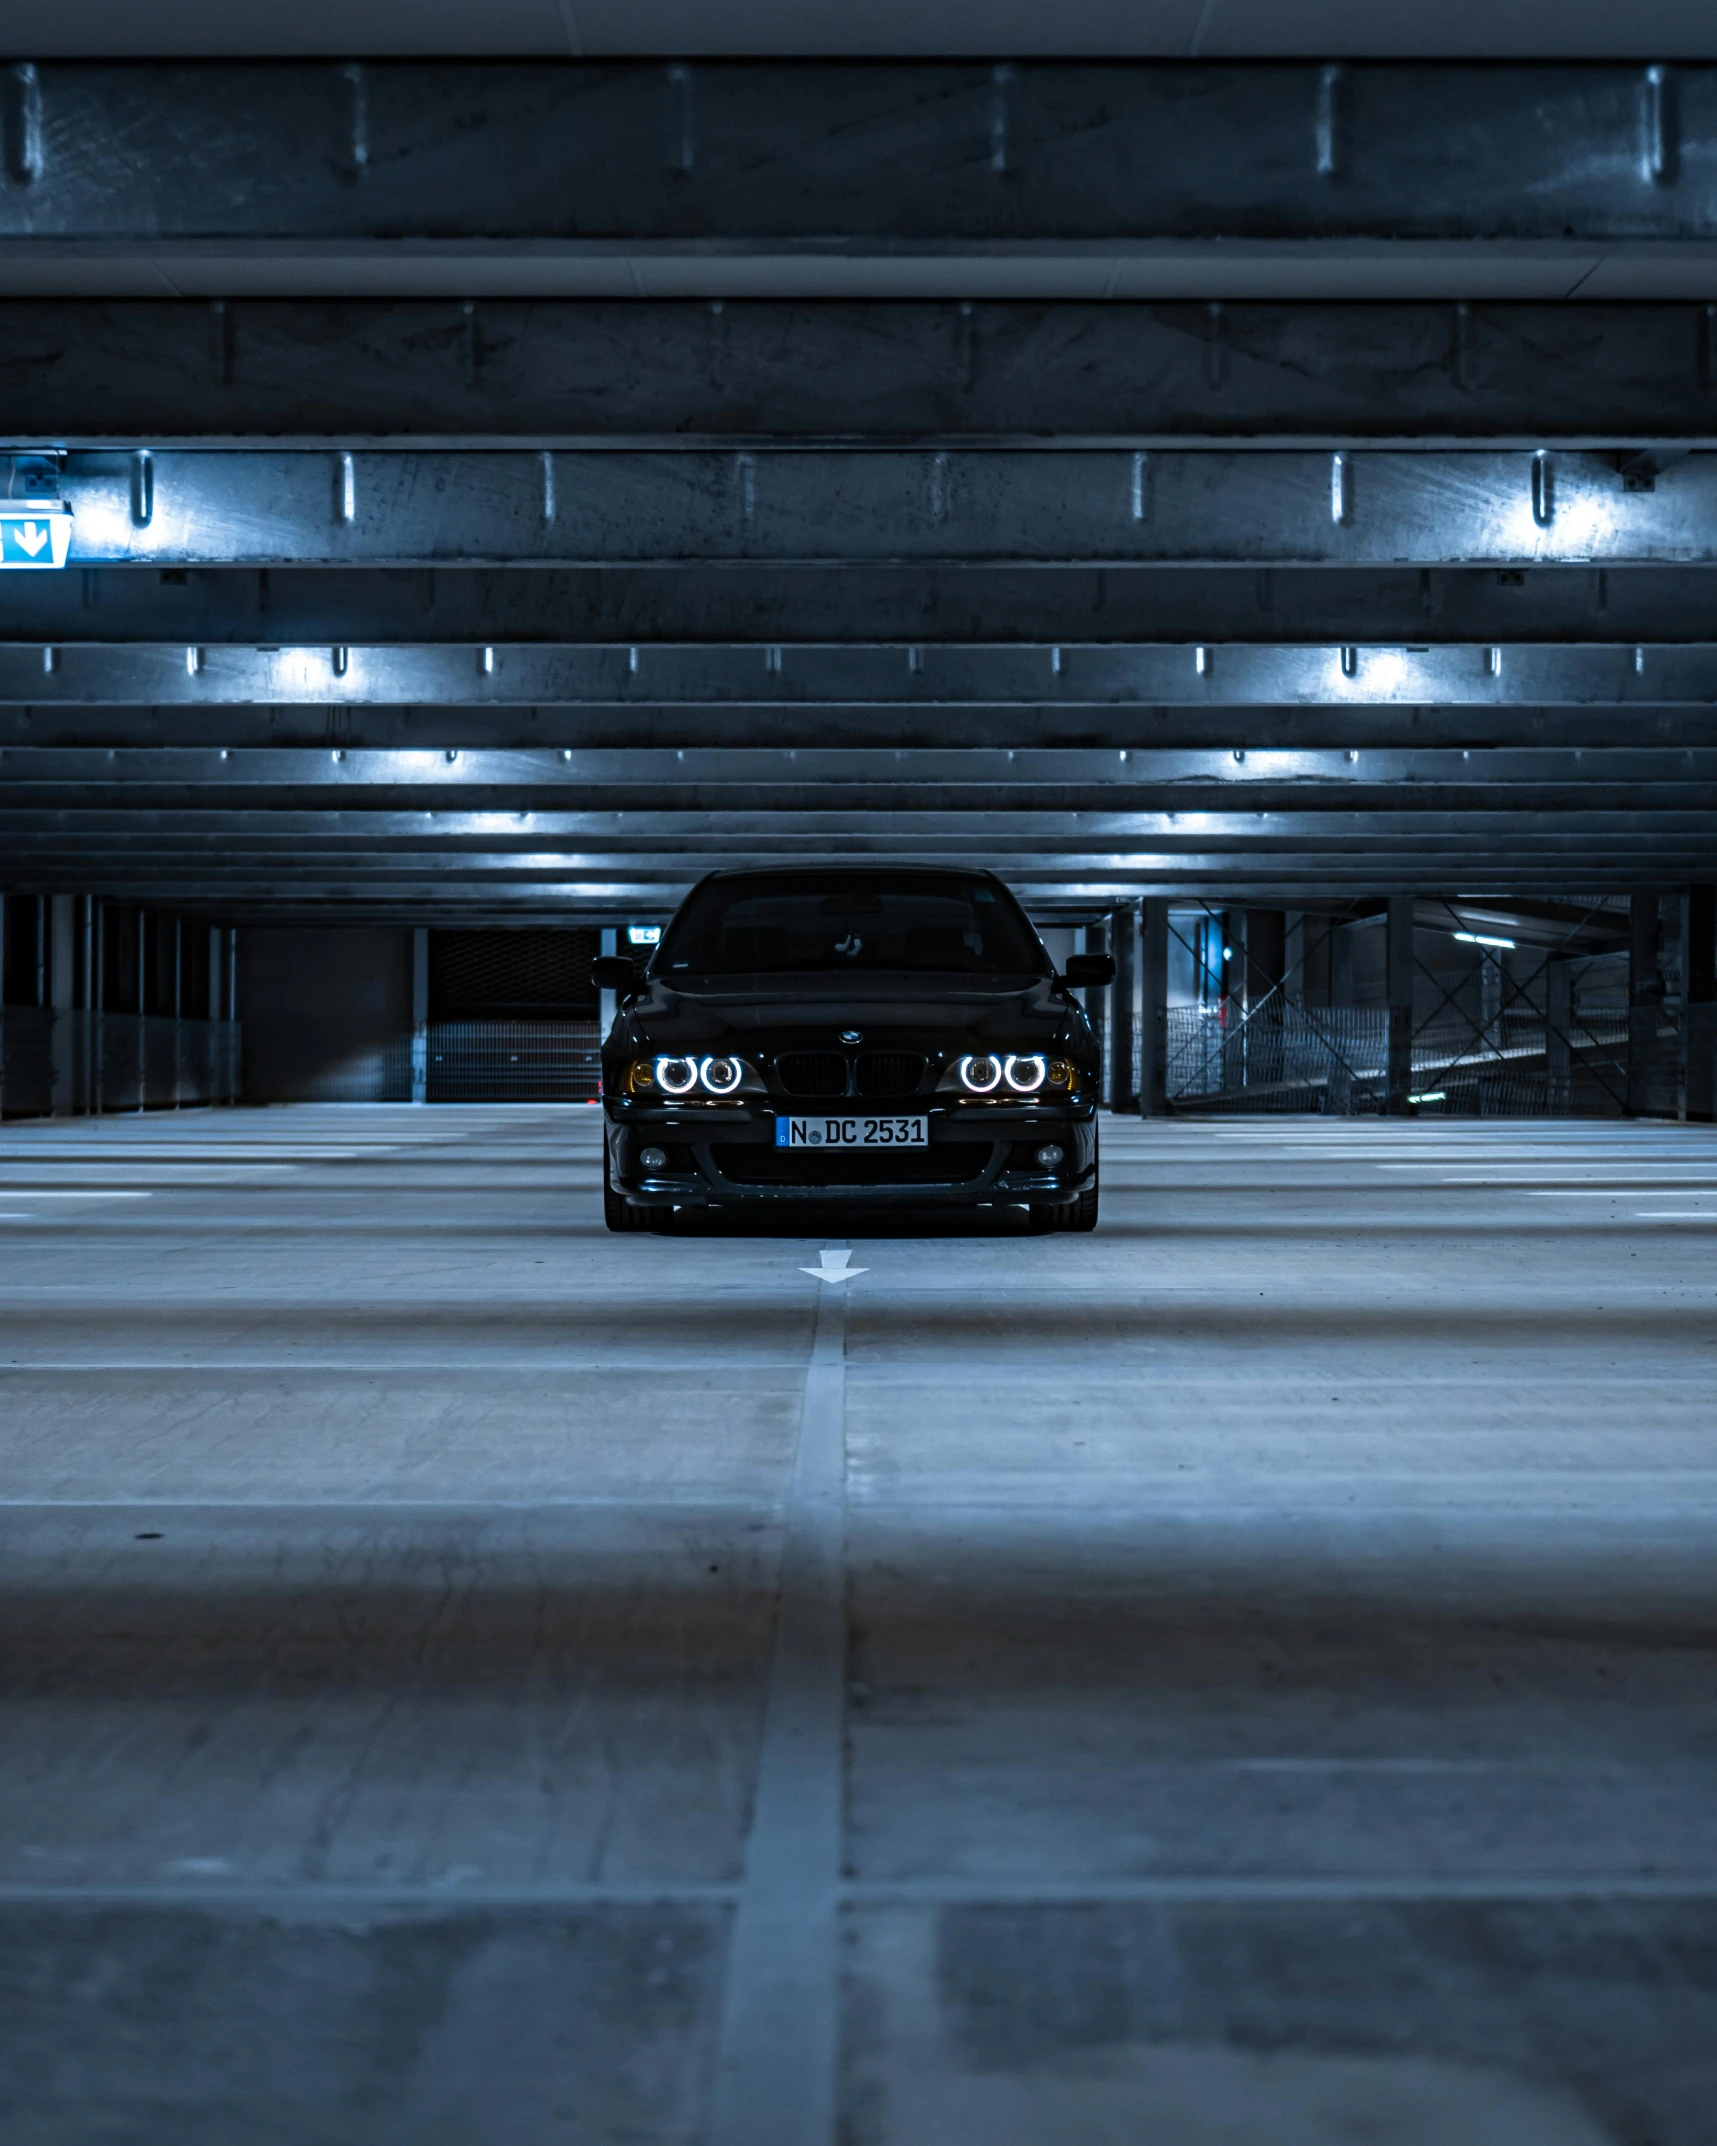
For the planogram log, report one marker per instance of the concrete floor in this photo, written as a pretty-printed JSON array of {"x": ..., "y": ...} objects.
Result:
[{"x": 1244, "y": 1677}]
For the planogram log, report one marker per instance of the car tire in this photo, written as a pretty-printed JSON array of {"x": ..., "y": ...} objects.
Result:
[
  {"x": 1081, "y": 1214},
  {"x": 625, "y": 1219}
]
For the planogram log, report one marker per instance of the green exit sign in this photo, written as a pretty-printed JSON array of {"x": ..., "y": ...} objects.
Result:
[{"x": 34, "y": 535}]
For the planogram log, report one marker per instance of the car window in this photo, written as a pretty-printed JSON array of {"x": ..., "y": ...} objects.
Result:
[{"x": 816, "y": 922}]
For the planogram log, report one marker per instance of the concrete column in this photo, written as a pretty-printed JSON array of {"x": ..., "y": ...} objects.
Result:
[
  {"x": 178, "y": 1012},
  {"x": 1340, "y": 965},
  {"x": 1294, "y": 957},
  {"x": 1699, "y": 1004},
  {"x": 1266, "y": 953},
  {"x": 419, "y": 1015},
  {"x": 91, "y": 1000},
  {"x": 606, "y": 1001},
  {"x": 1491, "y": 959},
  {"x": 1398, "y": 989},
  {"x": 98, "y": 1003},
  {"x": 143, "y": 936},
  {"x": 235, "y": 1070},
  {"x": 217, "y": 997},
  {"x": 1153, "y": 1004},
  {"x": 1645, "y": 1006},
  {"x": 1096, "y": 1003},
  {"x": 1341, "y": 1026},
  {"x": 1559, "y": 1019},
  {"x": 1266, "y": 969},
  {"x": 1233, "y": 998},
  {"x": 62, "y": 972},
  {"x": 1124, "y": 1010}
]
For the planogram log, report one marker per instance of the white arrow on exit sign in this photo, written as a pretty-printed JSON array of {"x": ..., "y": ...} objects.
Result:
[{"x": 39, "y": 535}]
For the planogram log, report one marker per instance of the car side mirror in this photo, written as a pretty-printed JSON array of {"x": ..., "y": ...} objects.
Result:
[
  {"x": 613, "y": 972},
  {"x": 1089, "y": 971}
]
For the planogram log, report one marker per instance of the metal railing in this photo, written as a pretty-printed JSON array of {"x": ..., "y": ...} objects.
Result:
[{"x": 513, "y": 1061}]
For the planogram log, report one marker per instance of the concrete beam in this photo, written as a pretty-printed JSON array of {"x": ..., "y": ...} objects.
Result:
[
  {"x": 1604, "y": 676},
  {"x": 923, "y": 605},
  {"x": 86, "y": 371},
  {"x": 1050, "y": 507},
  {"x": 1101, "y": 179},
  {"x": 1516, "y": 782}
]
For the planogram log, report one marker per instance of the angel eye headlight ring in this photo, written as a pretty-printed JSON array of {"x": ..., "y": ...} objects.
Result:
[
  {"x": 1026, "y": 1073},
  {"x": 720, "y": 1076},
  {"x": 980, "y": 1074},
  {"x": 676, "y": 1076}
]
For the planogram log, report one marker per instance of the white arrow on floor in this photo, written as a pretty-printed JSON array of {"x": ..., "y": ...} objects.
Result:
[{"x": 834, "y": 1266}]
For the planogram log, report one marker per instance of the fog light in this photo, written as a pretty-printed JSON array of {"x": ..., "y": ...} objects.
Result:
[
  {"x": 1046, "y": 1158},
  {"x": 657, "y": 1158}
]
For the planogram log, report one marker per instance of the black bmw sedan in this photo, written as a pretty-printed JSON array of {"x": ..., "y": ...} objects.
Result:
[{"x": 853, "y": 1035}]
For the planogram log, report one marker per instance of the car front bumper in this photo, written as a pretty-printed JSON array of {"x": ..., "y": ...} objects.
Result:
[{"x": 724, "y": 1157}]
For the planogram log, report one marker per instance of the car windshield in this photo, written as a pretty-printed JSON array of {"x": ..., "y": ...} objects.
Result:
[{"x": 801, "y": 922}]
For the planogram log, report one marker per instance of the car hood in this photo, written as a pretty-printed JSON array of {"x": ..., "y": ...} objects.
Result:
[{"x": 928, "y": 1012}]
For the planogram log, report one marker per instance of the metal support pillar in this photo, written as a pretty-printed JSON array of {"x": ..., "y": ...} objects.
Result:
[
  {"x": 420, "y": 1015},
  {"x": 1398, "y": 989},
  {"x": 1153, "y": 1003},
  {"x": 1645, "y": 1007},
  {"x": 1699, "y": 1004}
]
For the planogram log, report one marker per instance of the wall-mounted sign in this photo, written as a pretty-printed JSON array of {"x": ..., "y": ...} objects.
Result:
[{"x": 38, "y": 535}]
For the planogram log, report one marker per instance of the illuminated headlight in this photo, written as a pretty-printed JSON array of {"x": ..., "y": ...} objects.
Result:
[
  {"x": 1011, "y": 1073},
  {"x": 675, "y": 1077}
]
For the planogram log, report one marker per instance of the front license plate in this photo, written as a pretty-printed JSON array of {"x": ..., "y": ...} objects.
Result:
[{"x": 852, "y": 1133}]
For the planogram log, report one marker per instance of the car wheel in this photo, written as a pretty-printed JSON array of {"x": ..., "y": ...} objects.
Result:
[{"x": 1080, "y": 1215}]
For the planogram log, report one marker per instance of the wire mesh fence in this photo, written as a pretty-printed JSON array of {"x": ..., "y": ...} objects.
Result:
[{"x": 1517, "y": 1062}]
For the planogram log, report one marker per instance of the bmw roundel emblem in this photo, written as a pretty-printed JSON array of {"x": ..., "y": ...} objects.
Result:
[{"x": 852, "y": 1035}]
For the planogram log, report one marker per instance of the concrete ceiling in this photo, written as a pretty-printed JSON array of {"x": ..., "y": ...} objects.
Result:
[{"x": 1480, "y": 29}]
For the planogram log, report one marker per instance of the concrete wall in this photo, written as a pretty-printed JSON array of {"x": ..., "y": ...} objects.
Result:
[{"x": 326, "y": 1014}]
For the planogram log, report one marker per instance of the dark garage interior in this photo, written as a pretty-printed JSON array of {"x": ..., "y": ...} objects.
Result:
[{"x": 1242, "y": 475}]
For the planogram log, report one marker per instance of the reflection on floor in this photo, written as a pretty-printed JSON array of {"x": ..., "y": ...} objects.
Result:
[{"x": 1244, "y": 1676}]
